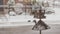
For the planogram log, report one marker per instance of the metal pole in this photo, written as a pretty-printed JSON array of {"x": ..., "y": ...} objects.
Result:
[{"x": 40, "y": 32}]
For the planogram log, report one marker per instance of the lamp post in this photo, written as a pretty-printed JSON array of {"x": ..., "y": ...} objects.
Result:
[{"x": 40, "y": 25}]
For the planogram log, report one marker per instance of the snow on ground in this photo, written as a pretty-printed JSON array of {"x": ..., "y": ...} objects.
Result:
[
  {"x": 51, "y": 17},
  {"x": 21, "y": 20},
  {"x": 25, "y": 18}
]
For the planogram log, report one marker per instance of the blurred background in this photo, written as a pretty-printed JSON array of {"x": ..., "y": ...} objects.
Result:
[{"x": 17, "y": 16}]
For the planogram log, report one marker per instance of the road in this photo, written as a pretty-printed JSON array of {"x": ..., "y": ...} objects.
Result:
[{"x": 55, "y": 29}]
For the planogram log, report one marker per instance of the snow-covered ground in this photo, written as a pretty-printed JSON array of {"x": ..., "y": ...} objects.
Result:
[
  {"x": 25, "y": 18},
  {"x": 21, "y": 20}
]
